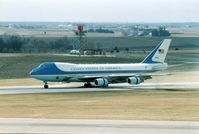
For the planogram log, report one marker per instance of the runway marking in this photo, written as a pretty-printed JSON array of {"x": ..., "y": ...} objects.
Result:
[{"x": 77, "y": 126}]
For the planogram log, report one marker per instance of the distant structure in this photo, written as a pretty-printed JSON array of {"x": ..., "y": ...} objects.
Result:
[
  {"x": 146, "y": 30},
  {"x": 161, "y": 31},
  {"x": 80, "y": 33},
  {"x": 83, "y": 47}
]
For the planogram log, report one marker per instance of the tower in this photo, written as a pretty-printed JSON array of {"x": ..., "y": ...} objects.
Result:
[{"x": 80, "y": 33}]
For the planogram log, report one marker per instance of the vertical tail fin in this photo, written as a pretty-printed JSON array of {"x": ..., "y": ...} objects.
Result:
[{"x": 158, "y": 55}]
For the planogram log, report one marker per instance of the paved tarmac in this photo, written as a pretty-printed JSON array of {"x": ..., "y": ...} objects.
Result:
[
  {"x": 78, "y": 88},
  {"x": 79, "y": 126}
]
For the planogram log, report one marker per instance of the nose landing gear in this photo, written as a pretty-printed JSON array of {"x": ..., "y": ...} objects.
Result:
[{"x": 45, "y": 84}]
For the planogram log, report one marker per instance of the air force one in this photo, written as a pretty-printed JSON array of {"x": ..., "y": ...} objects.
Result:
[{"x": 104, "y": 74}]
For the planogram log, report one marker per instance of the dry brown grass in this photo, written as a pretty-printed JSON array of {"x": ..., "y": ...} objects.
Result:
[
  {"x": 19, "y": 82},
  {"x": 137, "y": 104}
]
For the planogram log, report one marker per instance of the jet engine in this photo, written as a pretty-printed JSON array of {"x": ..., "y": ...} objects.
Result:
[
  {"x": 134, "y": 80},
  {"x": 101, "y": 82}
]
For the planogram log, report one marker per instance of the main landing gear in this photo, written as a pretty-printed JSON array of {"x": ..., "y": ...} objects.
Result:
[
  {"x": 45, "y": 84},
  {"x": 88, "y": 84}
]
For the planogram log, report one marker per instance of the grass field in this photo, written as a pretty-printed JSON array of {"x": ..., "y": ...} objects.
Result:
[
  {"x": 20, "y": 82},
  {"x": 135, "y": 104},
  {"x": 184, "y": 32},
  {"x": 109, "y": 41},
  {"x": 142, "y": 43},
  {"x": 52, "y": 33}
]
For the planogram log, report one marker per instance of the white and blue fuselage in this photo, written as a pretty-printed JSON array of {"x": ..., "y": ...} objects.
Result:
[
  {"x": 67, "y": 72},
  {"x": 103, "y": 74}
]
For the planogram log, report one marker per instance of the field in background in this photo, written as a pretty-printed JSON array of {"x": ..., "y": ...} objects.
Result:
[
  {"x": 184, "y": 32},
  {"x": 182, "y": 38},
  {"x": 51, "y": 33}
]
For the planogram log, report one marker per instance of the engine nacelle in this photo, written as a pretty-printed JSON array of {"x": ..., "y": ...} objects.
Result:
[
  {"x": 101, "y": 82},
  {"x": 134, "y": 80}
]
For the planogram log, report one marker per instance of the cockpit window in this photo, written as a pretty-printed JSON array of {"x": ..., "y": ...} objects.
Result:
[{"x": 42, "y": 65}]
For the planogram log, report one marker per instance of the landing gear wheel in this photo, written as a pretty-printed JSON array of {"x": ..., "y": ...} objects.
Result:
[
  {"x": 87, "y": 85},
  {"x": 46, "y": 84}
]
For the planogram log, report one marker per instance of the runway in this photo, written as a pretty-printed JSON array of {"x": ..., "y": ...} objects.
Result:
[
  {"x": 79, "y": 88},
  {"x": 78, "y": 126}
]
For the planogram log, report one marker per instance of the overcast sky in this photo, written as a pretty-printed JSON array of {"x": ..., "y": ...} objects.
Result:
[{"x": 100, "y": 10}]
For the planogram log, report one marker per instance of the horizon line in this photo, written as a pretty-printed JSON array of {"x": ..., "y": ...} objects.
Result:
[{"x": 105, "y": 21}]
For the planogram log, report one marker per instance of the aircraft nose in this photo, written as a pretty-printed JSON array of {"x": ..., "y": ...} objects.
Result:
[{"x": 31, "y": 72}]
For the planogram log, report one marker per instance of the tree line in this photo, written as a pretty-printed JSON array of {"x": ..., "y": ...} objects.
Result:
[{"x": 17, "y": 44}]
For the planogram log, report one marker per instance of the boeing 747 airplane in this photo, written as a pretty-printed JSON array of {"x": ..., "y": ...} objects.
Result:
[{"x": 104, "y": 74}]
